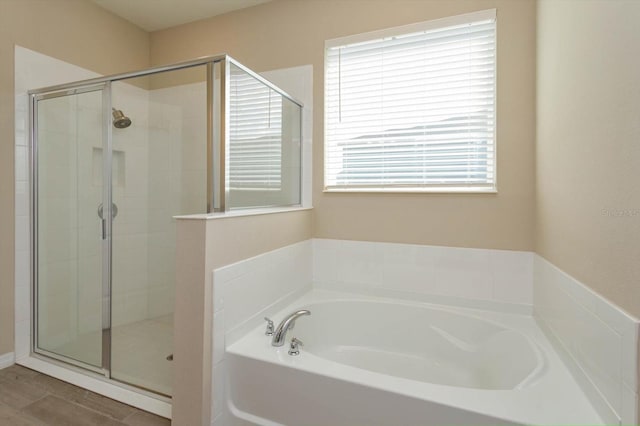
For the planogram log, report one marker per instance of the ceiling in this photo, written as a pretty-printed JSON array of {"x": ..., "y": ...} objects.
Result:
[{"x": 153, "y": 15}]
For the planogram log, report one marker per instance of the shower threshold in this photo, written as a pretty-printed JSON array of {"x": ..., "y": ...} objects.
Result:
[
  {"x": 143, "y": 381},
  {"x": 150, "y": 340}
]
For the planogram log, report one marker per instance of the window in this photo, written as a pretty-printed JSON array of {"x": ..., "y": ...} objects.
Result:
[{"x": 413, "y": 107}]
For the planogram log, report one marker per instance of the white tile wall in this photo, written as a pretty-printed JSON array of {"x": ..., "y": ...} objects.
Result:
[
  {"x": 495, "y": 276},
  {"x": 599, "y": 338},
  {"x": 244, "y": 289},
  {"x": 245, "y": 292},
  {"x": 131, "y": 290},
  {"x": 177, "y": 180},
  {"x": 136, "y": 242},
  {"x": 32, "y": 70}
]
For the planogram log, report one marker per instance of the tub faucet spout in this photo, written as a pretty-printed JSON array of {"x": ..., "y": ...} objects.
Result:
[{"x": 287, "y": 324}]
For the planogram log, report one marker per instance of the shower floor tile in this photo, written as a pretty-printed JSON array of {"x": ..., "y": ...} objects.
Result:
[
  {"x": 31, "y": 398},
  {"x": 139, "y": 352}
]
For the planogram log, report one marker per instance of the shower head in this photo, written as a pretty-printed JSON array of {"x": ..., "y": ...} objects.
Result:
[{"x": 120, "y": 121}]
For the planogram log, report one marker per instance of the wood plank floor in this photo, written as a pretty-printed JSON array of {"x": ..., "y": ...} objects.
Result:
[{"x": 29, "y": 398}]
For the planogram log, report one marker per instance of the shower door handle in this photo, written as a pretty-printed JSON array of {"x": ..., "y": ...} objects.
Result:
[
  {"x": 114, "y": 213},
  {"x": 114, "y": 210}
]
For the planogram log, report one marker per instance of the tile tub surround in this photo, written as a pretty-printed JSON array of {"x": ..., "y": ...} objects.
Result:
[
  {"x": 247, "y": 291},
  {"x": 596, "y": 337},
  {"x": 206, "y": 243},
  {"x": 478, "y": 277}
]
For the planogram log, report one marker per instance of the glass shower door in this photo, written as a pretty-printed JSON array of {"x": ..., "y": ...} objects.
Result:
[
  {"x": 70, "y": 236},
  {"x": 159, "y": 170}
]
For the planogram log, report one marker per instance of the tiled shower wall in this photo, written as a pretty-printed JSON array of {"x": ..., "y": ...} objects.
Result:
[
  {"x": 130, "y": 283},
  {"x": 177, "y": 184},
  {"x": 69, "y": 129},
  {"x": 29, "y": 73}
]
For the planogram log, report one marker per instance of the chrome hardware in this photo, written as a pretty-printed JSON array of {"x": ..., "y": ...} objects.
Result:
[
  {"x": 293, "y": 349},
  {"x": 269, "y": 330},
  {"x": 114, "y": 210},
  {"x": 281, "y": 332}
]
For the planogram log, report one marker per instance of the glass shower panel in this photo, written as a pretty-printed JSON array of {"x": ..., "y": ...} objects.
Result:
[
  {"x": 159, "y": 171},
  {"x": 69, "y": 233},
  {"x": 264, "y": 144}
]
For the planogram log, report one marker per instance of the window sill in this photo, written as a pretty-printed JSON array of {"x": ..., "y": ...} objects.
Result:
[{"x": 453, "y": 190}]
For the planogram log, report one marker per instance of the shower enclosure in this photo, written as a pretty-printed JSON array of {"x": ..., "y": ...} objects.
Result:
[{"x": 113, "y": 160}]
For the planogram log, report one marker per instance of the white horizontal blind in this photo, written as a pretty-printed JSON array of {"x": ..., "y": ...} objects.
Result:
[
  {"x": 412, "y": 110},
  {"x": 255, "y": 134}
]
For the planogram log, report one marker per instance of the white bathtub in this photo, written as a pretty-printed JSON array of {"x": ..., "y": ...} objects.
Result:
[{"x": 374, "y": 361}]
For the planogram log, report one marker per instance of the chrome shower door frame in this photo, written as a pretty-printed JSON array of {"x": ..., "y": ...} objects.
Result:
[
  {"x": 107, "y": 227},
  {"x": 218, "y": 90},
  {"x": 34, "y": 98}
]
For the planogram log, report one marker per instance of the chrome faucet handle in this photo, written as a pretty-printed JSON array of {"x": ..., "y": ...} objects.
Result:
[
  {"x": 269, "y": 330},
  {"x": 293, "y": 349},
  {"x": 281, "y": 330}
]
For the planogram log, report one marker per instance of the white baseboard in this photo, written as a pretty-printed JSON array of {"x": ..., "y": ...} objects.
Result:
[{"x": 7, "y": 360}]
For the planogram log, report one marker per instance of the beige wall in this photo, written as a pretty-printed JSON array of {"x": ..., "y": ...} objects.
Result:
[
  {"x": 231, "y": 240},
  {"x": 588, "y": 144},
  {"x": 75, "y": 31},
  {"x": 293, "y": 33},
  {"x": 286, "y": 33}
]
